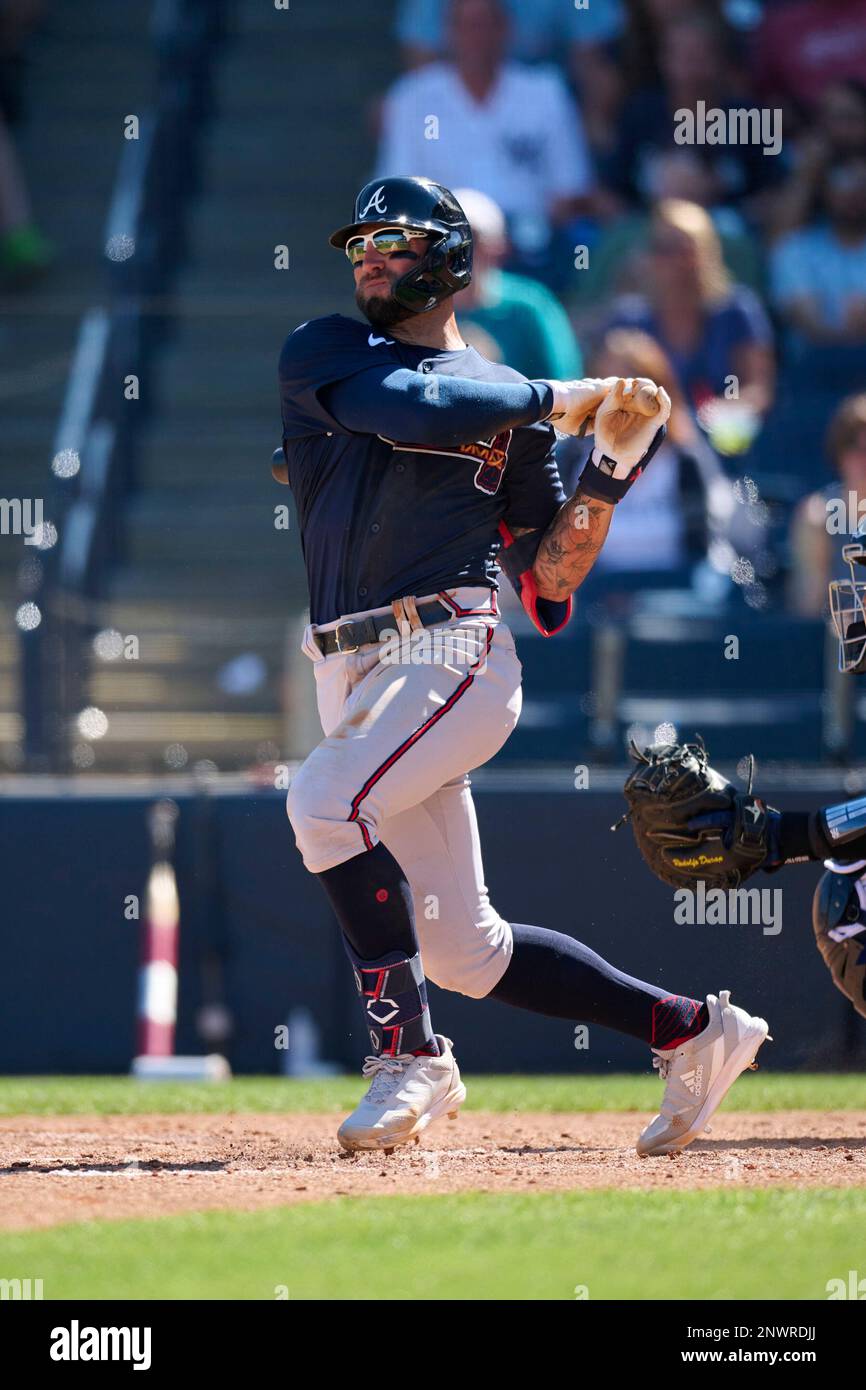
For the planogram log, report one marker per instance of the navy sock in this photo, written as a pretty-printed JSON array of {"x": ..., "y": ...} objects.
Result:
[
  {"x": 372, "y": 901},
  {"x": 550, "y": 973}
]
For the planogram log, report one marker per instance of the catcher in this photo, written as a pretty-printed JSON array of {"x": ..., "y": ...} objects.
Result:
[
  {"x": 419, "y": 468},
  {"x": 692, "y": 825}
]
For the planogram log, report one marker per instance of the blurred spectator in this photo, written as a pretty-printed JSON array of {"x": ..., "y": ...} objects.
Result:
[
  {"x": 613, "y": 265},
  {"x": 643, "y": 31},
  {"x": 683, "y": 499},
  {"x": 839, "y": 130},
  {"x": 511, "y": 318},
  {"x": 715, "y": 332},
  {"x": 24, "y": 251},
  {"x": 816, "y": 548},
  {"x": 478, "y": 120},
  {"x": 541, "y": 30},
  {"x": 803, "y": 45},
  {"x": 696, "y": 63},
  {"x": 818, "y": 274},
  {"x": 579, "y": 40}
]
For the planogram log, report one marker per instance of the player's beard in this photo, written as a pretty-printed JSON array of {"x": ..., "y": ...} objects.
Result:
[{"x": 381, "y": 310}]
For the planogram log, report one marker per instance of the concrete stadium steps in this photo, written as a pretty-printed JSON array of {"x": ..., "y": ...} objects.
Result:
[
  {"x": 26, "y": 451},
  {"x": 12, "y": 552},
  {"x": 150, "y": 740},
  {"x": 11, "y": 724},
  {"x": 230, "y": 296},
  {"x": 180, "y": 460},
  {"x": 213, "y": 382},
  {"x": 249, "y": 237},
  {"x": 206, "y": 576},
  {"x": 147, "y": 685},
  {"x": 115, "y": 691},
  {"x": 8, "y": 674},
  {"x": 235, "y": 584},
  {"x": 94, "y": 69},
  {"x": 174, "y": 692},
  {"x": 209, "y": 527},
  {"x": 87, "y": 68}
]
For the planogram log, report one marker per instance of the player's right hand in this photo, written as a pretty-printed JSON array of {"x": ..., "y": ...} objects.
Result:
[
  {"x": 628, "y": 420},
  {"x": 575, "y": 403}
]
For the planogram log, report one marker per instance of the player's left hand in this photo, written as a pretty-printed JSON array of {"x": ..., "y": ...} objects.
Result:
[{"x": 627, "y": 421}]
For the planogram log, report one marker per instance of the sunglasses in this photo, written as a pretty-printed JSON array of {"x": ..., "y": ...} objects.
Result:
[{"x": 388, "y": 241}]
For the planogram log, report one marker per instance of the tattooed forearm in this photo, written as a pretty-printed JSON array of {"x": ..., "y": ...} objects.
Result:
[{"x": 570, "y": 545}]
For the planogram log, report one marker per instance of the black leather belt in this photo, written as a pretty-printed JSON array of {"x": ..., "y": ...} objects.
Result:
[{"x": 349, "y": 636}]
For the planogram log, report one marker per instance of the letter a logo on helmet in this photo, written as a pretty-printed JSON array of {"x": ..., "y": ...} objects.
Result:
[{"x": 376, "y": 203}]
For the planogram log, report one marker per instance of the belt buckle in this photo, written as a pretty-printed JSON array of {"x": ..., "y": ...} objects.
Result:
[{"x": 340, "y": 648}]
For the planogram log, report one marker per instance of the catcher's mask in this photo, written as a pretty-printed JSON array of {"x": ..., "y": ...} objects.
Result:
[
  {"x": 848, "y": 612},
  {"x": 423, "y": 206}
]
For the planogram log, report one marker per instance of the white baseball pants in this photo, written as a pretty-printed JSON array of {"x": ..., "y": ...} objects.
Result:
[{"x": 404, "y": 723}]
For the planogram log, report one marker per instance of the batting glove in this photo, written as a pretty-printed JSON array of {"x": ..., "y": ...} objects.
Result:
[
  {"x": 629, "y": 427},
  {"x": 575, "y": 403}
]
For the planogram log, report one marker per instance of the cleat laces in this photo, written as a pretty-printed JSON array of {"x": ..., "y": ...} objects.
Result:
[{"x": 382, "y": 1070}]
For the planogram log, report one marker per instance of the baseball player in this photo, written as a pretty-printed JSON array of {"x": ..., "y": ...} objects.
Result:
[
  {"x": 419, "y": 469},
  {"x": 691, "y": 824}
]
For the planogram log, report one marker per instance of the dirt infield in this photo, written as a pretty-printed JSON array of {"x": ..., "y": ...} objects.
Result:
[{"x": 78, "y": 1168}]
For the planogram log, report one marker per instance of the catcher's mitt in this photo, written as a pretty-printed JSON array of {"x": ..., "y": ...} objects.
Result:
[{"x": 691, "y": 824}]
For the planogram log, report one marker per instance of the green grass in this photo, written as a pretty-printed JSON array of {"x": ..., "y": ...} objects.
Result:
[
  {"x": 774, "y": 1244},
  {"x": 120, "y": 1095}
]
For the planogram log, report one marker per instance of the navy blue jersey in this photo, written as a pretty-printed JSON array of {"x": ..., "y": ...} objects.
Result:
[{"x": 382, "y": 517}]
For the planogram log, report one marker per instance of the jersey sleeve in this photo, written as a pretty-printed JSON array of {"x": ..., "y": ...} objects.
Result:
[
  {"x": 533, "y": 498},
  {"x": 317, "y": 355}
]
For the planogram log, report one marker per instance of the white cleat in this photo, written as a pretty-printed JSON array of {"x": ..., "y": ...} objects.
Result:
[
  {"x": 700, "y": 1073},
  {"x": 405, "y": 1095}
]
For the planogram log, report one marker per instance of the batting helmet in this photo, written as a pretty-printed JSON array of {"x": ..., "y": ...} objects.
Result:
[{"x": 424, "y": 206}]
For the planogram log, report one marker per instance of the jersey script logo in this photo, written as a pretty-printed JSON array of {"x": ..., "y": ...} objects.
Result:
[
  {"x": 492, "y": 456},
  {"x": 375, "y": 204}
]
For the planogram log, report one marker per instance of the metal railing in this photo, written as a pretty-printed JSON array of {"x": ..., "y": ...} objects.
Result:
[{"x": 93, "y": 461}]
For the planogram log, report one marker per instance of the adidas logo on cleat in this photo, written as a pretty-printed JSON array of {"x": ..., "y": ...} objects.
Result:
[{"x": 693, "y": 1080}]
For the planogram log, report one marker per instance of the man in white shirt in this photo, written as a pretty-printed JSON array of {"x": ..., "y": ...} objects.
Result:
[
  {"x": 541, "y": 30},
  {"x": 509, "y": 130}
]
